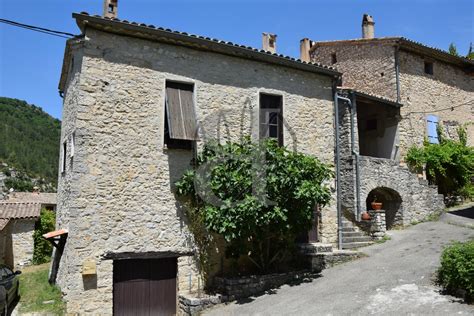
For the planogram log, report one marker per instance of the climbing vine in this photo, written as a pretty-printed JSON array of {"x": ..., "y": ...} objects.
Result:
[
  {"x": 449, "y": 164},
  {"x": 257, "y": 196}
]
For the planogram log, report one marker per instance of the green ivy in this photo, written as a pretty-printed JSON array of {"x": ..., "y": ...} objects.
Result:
[
  {"x": 43, "y": 248},
  {"x": 449, "y": 164},
  {"x": 457, "y": 268},
  {"x": 264, "y": 230}
]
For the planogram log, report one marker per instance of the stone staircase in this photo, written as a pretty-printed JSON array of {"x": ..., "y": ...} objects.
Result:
[{"x": 353, "y": 237}]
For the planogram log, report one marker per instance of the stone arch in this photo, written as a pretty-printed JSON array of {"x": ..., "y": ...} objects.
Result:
[{"x": 391, "y": 204}]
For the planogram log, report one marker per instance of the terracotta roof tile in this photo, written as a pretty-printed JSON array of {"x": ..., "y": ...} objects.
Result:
[
  {"x": 32, "y": 197},
  {"x": 18, "y": 210}
]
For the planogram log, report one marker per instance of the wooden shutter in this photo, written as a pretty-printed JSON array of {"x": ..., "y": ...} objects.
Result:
[
  {"x": 431, "y": 129},
  {"x": 180, "y": 111}
]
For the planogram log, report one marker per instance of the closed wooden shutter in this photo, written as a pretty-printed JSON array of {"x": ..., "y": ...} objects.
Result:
[
  {"x": 432, "y": 128},
  {"x": 180, "y": 111}
]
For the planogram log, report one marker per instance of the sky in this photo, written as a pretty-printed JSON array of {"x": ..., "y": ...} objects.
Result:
[{"x": 30, "y": 62}]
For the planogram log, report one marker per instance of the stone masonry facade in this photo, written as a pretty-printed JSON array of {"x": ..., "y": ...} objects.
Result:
[
  {"x": 392, "y": 72},
  {"x": 116, "y": 195}
]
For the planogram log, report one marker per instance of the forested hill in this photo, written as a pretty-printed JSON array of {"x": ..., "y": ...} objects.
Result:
[{"x": 29, "y": 139}]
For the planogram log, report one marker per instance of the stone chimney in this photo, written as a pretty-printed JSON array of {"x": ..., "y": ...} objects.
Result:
[
  {"x": 110, "y": 9},
  {"x": 269, "y": 42},
  {"x": 305, "y": 46},
  {"x": 368, "y": 27}
]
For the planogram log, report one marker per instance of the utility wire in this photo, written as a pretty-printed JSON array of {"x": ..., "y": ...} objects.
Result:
[
  {"x": 445, "y": 109},
  {"x": 37, "y": 29}
]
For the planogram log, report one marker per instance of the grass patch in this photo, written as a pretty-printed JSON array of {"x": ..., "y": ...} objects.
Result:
[
  {"x": 384, "y": 239},
  {"x": 35, "y": 290}
]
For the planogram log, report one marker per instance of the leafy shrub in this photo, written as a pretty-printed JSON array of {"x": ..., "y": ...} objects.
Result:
[
  {"x": 43, "y": 248},
  {"x": 449, "y": 164},
  {"x": 457, "y": 268},
  {"x": 258, "y": 197}
]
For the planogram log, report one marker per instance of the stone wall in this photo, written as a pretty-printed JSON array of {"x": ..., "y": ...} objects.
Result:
[
  {"x": 116, "y": 195},
  {"x": 366, "y": 65},
  {"x": 418, "y": 200},
  {"x": 16, "y": 242},
  {"x": 442, "y": 94}
]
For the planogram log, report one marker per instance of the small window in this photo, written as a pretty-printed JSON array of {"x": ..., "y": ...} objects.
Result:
[
  {"x": 333, "y": 58},
  {"x": 428, "y": 67},
  {"x": 432, "y": 129},
  {"x": 63, "y": 158},
  {"x": 72, "y": 141},
  {"x": 180, "y": 119},
  {"x": 271, "y": 117}
]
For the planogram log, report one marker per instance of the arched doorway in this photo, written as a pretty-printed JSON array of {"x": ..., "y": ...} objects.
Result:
[{"x": 392, "y": 203}]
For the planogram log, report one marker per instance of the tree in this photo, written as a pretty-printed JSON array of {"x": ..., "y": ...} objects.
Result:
[
  {"x": 453, "y": 50},
  {"x": 470, "y": 53},
  {"x": 258, "y": 196}
]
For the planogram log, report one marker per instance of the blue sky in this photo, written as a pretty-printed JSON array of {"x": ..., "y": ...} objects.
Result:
[{"x": 30, "y": 62}]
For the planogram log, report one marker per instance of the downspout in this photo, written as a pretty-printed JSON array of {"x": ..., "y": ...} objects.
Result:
[
  {"x": 397, "y": 72},
  {"x": 355, "y": 153},
  {"x": 338, "y": 172}
]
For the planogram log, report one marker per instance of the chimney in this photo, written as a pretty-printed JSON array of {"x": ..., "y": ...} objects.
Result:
[
  {"x": 269, "y": 42},
  {"x": 305, "y": 46},
  {"x": 368, "y": 26},
  {"x": 110, "y": 9}
]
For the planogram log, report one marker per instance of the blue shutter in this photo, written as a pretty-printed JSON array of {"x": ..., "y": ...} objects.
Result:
[{"x": 431, "y": 128}]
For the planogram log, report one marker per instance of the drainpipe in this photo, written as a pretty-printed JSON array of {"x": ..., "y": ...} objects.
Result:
[
  {"x": 355, "y": 153},
  {"x": 338, "y": 172},
  {"x": 397, "y": 72}
]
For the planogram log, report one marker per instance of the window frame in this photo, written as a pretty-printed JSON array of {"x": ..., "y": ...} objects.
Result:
[
  {"x": 167, "y": 141},
  {"x": 427, "y": 122},
  {"x": 268, "y": 110},
  {"x": 63, "y": 156}
]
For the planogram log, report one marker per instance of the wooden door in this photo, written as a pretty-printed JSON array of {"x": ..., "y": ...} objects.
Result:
[{"x": 145, "y": 287}]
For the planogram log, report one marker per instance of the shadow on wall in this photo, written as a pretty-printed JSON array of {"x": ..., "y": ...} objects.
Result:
[{"x": 391, "y": 204}]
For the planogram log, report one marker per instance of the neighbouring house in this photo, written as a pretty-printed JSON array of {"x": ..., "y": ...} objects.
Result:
[
  {"x": 18, "y": 215},
  {"x": 399, "y": 92},
  {"x": 139, "y": 101}
]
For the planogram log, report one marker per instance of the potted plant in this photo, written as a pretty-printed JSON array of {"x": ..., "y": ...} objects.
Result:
[{"x": 377, "y": 206}]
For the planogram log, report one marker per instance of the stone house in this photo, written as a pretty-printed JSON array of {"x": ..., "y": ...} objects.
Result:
[
  {"x": 18, "y": 215},
  {"x": 139, "y": 101},
  {"x": 399, "y": 91}
]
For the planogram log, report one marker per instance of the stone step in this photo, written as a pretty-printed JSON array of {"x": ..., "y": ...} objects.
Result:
[
  {"x": 362, "y": 238},
  {"x": 349, "y": 229},
  {"x": 353, "y": 233},
  {"x": 354, "y": 245}
]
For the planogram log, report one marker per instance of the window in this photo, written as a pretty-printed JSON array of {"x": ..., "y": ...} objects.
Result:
[
  {"x": 180, "y": 119},
  {"x": 63, "y": 158},
  {"x": 432, "y": 129},
  {"x": 73, "y": 136},
  {"x": 333, "y": 58},
  {"x": 428, "y": 67},
  {"x": 271, "y": 117}
]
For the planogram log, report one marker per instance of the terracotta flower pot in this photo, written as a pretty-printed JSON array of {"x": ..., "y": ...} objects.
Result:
[
  {"x": 376, "y": 206},
  {"x": 365, "y": 216}
]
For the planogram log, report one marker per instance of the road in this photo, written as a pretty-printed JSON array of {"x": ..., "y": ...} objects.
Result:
[{"x": 395, "y": 279}]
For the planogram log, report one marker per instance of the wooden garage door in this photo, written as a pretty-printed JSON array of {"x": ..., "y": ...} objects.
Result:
[{"x": 145, "y": 286}]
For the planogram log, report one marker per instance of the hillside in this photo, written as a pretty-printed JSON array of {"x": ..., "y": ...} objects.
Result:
[{"x": 29, "y": 140}]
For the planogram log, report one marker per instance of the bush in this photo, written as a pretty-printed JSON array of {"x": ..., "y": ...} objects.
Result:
[
  {"x": 449, "y": 164},
  {"x": 457, "y": 269},
  {"x": 258, "y": 197},
  {"x": 43, "y": 248}
]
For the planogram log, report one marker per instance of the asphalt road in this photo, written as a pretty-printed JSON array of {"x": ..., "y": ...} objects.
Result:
[{"x": 396, "y": 279}]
